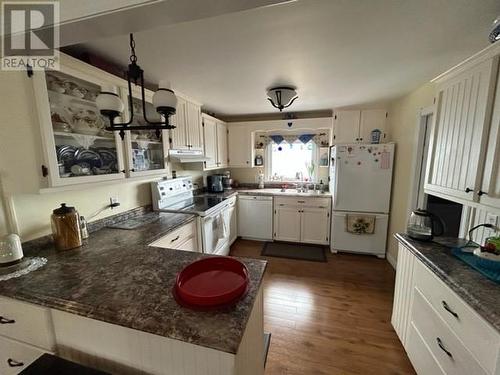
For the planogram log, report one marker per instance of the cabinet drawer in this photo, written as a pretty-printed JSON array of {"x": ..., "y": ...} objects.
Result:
[
  {"x": 420, "y": 356},
  {"x": 15, "y": 356},
  {"x": 177, "y": 237},
  {"x": 476, "y": 334},
  {"x": 448, "y": 350},
  {"x": 303, "y": 202},
  {"x": 26, "y": 322}
]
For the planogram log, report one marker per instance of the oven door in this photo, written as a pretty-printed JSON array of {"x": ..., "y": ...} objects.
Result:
[{"x": 215, "y": 232}]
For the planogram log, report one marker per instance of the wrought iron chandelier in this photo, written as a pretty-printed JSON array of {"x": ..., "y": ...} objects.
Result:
[
  {"x": 281, "y": 97},
  {"x": 111, "y": 106}
]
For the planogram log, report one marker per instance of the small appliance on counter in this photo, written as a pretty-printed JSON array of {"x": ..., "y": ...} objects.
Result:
[
  {"x": 227, "y": 181},
  {"x": 215, "y": 183},
  {"x": 66, "y": 229},
  {"x": 11, "y": 251},
  {"x": 421, "y": 225}
]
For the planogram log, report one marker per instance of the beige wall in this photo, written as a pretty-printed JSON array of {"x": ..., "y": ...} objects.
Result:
[{"x": 403, "y": 114}]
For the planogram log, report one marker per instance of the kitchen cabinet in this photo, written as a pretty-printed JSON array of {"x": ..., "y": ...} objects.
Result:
[
  {"x": 145, "y": 153},
  {"x": 183, "y": 238},
  {"x": 355, "y": 126},
  {"x": 440, "y": 332},
  {"x": 240, "y": 147},
  {"x": 188, "y": 134},
  {"x": 255, "y": 217},
  {"x": 76, "y": 147},
  {"x": 16, "y": 356},
  {"x": 460, "y": 132},
  {"x": 233, "y": 222},
  {"x": 215, "y": 142},
  {"x": 305, "y": 220}
]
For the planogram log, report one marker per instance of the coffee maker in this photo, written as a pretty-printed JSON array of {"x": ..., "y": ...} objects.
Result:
[{"x": 214, "y": 183}]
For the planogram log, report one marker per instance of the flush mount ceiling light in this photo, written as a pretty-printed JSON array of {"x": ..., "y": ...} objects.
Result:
[
  {"x": 495, "y": 30},
  {"x": 111, "y": 106},
  {"x": 281, "y": 97}
]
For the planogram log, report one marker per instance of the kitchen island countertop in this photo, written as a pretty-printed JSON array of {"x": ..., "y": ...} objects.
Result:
[{"x": 117, "y": 278}]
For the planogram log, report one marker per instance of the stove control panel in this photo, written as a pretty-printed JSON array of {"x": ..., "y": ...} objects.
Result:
[{"x": 165, "y": 190}]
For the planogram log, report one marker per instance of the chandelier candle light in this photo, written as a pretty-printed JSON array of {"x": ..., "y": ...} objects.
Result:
[{"x": 111, "y": 106}]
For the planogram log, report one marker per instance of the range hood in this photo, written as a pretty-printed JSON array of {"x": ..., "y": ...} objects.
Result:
[{"x": 187, "y": 156}]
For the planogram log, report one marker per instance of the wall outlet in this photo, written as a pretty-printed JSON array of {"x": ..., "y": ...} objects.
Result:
[
  {"x": 113, "y": 201},
  {"x": 493, "y": 220}
]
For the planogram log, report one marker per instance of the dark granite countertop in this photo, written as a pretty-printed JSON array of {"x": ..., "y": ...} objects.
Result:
[
  {"x": 482, "y": 294},
  {"x": 117, "y": 278}
]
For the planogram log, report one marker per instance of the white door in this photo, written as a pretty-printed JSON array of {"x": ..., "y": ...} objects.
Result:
[
  {"x": 210, "y": 135},
  {"x": 346, "y": 127},
  {"x": 240, "y": 147},
  {"x": 194, "y": 129},
  {"x": 287, "y": 223},
  {"x": 179, "y": 134},
  {"x": 221, "y": 144},
  {"x": 372, "y": 119},
  {"x": 342, "y": 240},
  {"x": 460, "y": 132},
  {"x": 314, "y": 227},
  {"x": 363, "y": 177}
]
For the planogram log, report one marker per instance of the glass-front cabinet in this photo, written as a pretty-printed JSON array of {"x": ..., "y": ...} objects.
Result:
[
  {"x": 146, "y": 153},
  {"x": 77, "y": 147}
]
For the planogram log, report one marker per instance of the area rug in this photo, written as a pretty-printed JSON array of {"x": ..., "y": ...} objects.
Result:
[{"x": 294, "y": 251}]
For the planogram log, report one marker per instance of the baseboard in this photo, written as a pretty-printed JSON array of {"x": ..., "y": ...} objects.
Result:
[{"x": 392, "y": 261}]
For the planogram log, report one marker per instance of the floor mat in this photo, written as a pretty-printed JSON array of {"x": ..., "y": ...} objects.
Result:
[{"x": 294, "y": 251}]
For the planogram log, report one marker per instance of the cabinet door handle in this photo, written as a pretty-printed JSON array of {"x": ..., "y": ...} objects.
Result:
[
  {"x": 480, "y": 193},
  {"x": 440, "y": 344},
  {"x": 448, "y": 308},
  {"x": 175, "y": 239},
  {"x": 301, "y": 201},
  {"x": 468, "y": 190},
  {"x": 6, "y": 321},
  {"x": 13, "y": 363}
]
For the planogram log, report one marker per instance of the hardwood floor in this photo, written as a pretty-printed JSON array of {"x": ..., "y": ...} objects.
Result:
[{"x": 329, "y": 318}]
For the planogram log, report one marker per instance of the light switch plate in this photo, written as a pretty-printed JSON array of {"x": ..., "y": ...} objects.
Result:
[{"x": 492, "y": 219}]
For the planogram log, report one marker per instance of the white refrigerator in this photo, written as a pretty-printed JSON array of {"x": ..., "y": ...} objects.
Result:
[{"x": 360, "y": 182}]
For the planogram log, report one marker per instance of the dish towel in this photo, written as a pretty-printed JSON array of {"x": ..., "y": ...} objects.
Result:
[{"x": 360, "y": 224}]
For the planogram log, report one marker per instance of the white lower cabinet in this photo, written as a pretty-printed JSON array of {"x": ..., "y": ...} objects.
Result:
[
  {"x": 183, "y": 238},
  {"x": 305, "y": 220},
  {"x": 16, "y": 356},
  {"x": 440, "y": 332}
]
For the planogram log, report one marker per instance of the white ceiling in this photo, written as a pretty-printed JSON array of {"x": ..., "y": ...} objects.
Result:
[{"x": 337, "y": 52}]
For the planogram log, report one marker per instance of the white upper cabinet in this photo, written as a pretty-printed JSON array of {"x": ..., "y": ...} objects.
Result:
[
  {"x": 210, "y": 139},
  {"x": 215, "y": 142},
  {"x": 240, "y": 146},
  {"x": 194, "y": 128},
  {"x": 222, "y": 144},
  {"x": 372, "y": 119},
  {"x": 188, "y": 134},
  {"x": 179, "y": 134},
  {"x": 460, "y": 133},
  {"x": 355, "y": 126}
]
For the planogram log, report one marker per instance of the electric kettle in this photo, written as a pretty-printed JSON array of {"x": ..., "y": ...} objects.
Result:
[
  {"x": 421, "y": 225},
  {"x": 11, "y": 251}
]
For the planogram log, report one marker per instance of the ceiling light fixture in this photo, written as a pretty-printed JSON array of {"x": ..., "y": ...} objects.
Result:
[
  {"x": 111, "y": 106},
  {"x": 281, "y": 97}
]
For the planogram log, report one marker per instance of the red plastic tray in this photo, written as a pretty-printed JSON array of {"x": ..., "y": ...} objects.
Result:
[{"x": 211, "y": 282}]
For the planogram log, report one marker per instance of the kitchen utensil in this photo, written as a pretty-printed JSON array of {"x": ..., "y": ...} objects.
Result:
[
  {"x": 81, "y": 169},
  {"x": 11, "y": 251},
  {"x": 211, "y": 283},
  {"x": 66, "y": 155},
  {"x": 421, "y": 225},
  {"x": 88, "y": 156},
  {"x": 65, "y": 223}
]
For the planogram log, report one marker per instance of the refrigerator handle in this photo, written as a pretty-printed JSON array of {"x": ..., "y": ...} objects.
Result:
[{"x": 335, "y": 196}]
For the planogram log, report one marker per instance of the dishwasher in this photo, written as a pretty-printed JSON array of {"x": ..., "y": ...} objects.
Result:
[{"x": 255, "y": 217}]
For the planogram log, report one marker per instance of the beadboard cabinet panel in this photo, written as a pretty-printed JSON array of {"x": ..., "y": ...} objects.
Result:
[{"x": 460, "y": 132}]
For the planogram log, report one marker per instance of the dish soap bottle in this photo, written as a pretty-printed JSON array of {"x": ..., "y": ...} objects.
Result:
[{"x": 261, "y": 180}]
